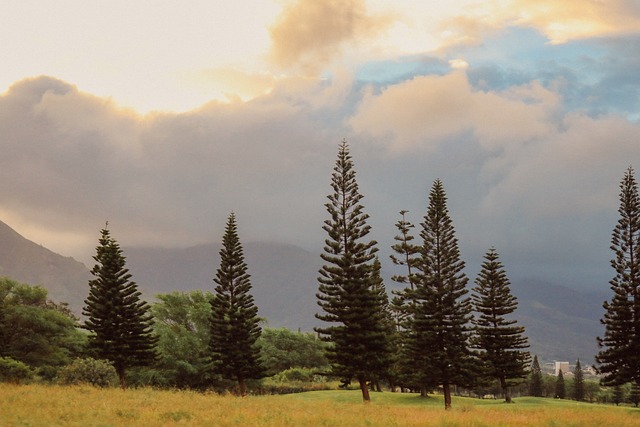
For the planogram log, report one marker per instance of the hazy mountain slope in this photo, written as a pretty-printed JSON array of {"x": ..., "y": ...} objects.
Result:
[
  {"x": 283, "y": 277},
  {"x": 562, "y": 323},
  {"x": 24, "y": 261}
]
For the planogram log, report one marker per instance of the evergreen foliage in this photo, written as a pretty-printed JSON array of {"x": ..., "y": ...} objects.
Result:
[
  {"x": 618, "y": 394},
  {"x": 14, "y": 371},
  {"x": 347, "y": 290},
  {"x": 560, "y": 386},
  {"x": 98, "y": 373},
  {"x": 182, "y": 326},
  {"x": 119, "y": 322},
  {"x": 578, "y": 382},
  {"x": 35, "y": 330},
  {"x": 619, "y": 355},
  {"x": 499, "y": 339},
  {"x": 282, "y": 349},
  {"x": 234, "y": 323},
  {"x": 535, "y": 381},
  {"x": 439, "y": 329},
  {"x": 634, "y": 394},
  {"x": 406, "y": 252}
]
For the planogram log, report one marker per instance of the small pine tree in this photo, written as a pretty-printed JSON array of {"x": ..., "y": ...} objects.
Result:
[
  {"x": 500, "y": 340},
  {"x": 619, "y": 355},
  {"x": 618, "y": 395},
  {"x": 578, "y": 382},
  {"x": 535, "y": 380},
  {"x": 560, "y": 387},
  {"x": 634, "y": 395},
  {"x": 119, "y": 322},
  {"x": 347, "y": 292},
  {"x": 439, "y": 326},
  {"x": 234, "y": 316},
  {"x": 406, "y": 252}
]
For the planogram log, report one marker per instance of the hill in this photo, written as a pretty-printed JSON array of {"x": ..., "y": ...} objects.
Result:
[
  {"x": 27, "y": 262},
  {"x": 283, "y": 277},
  {"x": 561, "y": 322}
]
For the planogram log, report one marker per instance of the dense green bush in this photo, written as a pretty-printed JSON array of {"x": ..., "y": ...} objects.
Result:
[
  {"x": 298, "y": 374},
  {"x": 14, "y": 371},
  {"x": 99, "y": 373}
]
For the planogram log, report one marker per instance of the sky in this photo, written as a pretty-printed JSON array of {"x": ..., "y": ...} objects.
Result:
[{"x": 163, "y": 117}]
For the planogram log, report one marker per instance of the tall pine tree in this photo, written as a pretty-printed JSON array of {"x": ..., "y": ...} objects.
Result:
[
  {"x": 119, "y": 322},
  {"x": 406, "y": 252},
  {"x": 441, "y": 312},
  {"x": 234, "y": 316},
  {"x": 619, "y": 355},
  {"x": 535, "y": 380},
  {"x": 560, "y": 388},
  {"x": 578, "y": 382},
  {"x": 499, "y": 339},
  {"x": 347, "y": 290}
]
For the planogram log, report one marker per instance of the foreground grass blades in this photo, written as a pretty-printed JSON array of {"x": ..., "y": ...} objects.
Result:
[{"x": 36, "y": 405}]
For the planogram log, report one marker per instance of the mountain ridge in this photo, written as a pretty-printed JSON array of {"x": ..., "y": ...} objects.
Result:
[{"x": 562, "y": 323}]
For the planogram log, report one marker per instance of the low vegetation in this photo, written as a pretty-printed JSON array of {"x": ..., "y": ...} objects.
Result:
[{"x": 22, "y": 405}]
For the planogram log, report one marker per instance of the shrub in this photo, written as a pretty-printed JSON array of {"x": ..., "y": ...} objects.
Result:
[
  {"x": 14, "y": 371},
  {"x": 297, "y": 374},
  {"x": 99, "y": 373}
]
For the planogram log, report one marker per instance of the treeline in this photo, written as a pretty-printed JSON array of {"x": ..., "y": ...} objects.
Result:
[
  {"x": 434, "y": 334},
  {"x": 43, "y": 341}
]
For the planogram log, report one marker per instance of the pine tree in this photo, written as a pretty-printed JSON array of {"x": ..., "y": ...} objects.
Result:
[
  {"x": 578, "y": 382},
  {"x": 234, "y": 316},
  {"x": 119, "y": 322},
  {"x": 560, "y": 389},
  {"x": 618, "y": 394},
  {"x": 619, "y": 355},
  {"x": 388, "y": 321},
  {"x": 499, "y": 339},
  {"x": 405, "y": 255},
  {"x": 634, "y": 395},
  {"x": 535, "y": 381},
  {"x": 406, "y": 252},
  {"x": 441, "y": 312},
  {"x": 346, "y": 290}
]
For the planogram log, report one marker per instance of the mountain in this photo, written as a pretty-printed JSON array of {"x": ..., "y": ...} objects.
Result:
[
  {"x": 24, "y": 261},
  {"x": 283, "y": 277},
  {"x": 561, "y": 322}
]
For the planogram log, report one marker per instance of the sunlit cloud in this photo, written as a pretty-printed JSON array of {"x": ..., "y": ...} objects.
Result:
[{"x": 310, "y": 34}]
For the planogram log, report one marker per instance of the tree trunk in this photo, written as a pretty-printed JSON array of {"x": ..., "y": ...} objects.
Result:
[
  {"x": 505, "y": 390},
  {"x": 423, "y": 391},
  {"x": 446, "y": 389},
  {"x": 365, "y": 390},
  {"x": 121, "y": 376},
  {"x": 242, "y": 387},
  {"x": 378, "y": 387}
]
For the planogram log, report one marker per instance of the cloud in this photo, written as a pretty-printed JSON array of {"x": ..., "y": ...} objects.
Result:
[
  {"x": 560, "y": 21},
  {"x": 72, "y": 160},
  {"x": 521, "y": 172},
  {"x": 309, "y": 34},
  {"x": 427, "y": 111}
]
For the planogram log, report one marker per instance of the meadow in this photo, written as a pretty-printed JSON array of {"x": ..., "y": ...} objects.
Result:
[{"x": 39, "y": 405}]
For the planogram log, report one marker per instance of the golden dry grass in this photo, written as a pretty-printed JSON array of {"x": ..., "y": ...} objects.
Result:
[{"x": 37, "y": 405}]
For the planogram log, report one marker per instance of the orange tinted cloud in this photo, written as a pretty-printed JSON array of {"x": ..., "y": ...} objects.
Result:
[
  {"x": 426, "y": 111},
  {"x": 310, "y": 33},
  {"x": 560, "y": 21}
]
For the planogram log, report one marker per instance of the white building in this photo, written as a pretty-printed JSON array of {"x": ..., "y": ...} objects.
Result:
[{"x": 564, "y": 366}]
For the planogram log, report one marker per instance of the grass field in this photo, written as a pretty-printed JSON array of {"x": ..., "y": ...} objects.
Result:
[{"x": 37, "y": 405}]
